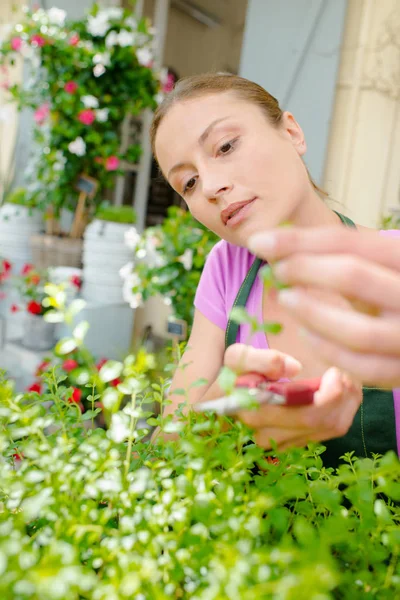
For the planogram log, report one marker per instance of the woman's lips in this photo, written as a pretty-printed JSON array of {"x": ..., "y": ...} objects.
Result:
[{"x": 237, "y": 212}]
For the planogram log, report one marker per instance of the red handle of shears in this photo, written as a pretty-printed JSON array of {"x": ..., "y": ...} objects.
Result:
[{"x": 293, "y": 393}]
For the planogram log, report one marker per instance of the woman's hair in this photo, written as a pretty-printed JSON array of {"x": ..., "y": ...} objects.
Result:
[{"x": 217, "y": 83}]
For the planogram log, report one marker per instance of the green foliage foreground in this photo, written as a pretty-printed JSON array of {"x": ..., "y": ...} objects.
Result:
[{"x": 103, "y": 515}]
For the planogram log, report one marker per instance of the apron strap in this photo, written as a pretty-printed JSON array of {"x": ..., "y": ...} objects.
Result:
[
  {"x": 345, "y": 220},
  {"x": 240, "y": 300}
]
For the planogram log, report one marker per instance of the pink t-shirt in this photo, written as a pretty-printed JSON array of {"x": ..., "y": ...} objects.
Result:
[{"x": 223, "y": 274}]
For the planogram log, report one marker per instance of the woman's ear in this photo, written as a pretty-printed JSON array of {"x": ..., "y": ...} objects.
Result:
[{"x": 295, "y": 132}]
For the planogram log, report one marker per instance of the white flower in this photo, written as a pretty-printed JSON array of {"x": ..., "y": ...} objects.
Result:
[
  {"x": 5, "y": 113},
  {"x": 159, "y": 97},
  {"x": 144, "y": 56},
  {"x": 77, "y": 147},
  {"x": 114, "y": 13},
  {"x": 99, "y": 70},
  {"x": 99, "y": 25},
  {"x": 126, "y": 270},
  {"x": 112, "y": 39},
  {"x": 90, "y": 101},
  {"x": 103, "y": 58},
  {"x": 134, "y": 299},
  {"x": 131, "y": 22},
  {"x": 119, "y": 429},
  {"x": 56, "y": 16},
  {"x": 126, "y": 38},
  {"x": 58, "y": 166},
  {"x": 102, "y": 115},
  {"x": 132, "y": 238},
  {"x": 187, "y": 259}
]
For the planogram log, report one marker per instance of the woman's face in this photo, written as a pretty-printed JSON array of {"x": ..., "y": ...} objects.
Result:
[{"x": 237, "y": 173}]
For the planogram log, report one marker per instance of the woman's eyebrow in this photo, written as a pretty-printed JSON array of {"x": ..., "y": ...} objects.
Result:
[{"x": 202, "y": 140}]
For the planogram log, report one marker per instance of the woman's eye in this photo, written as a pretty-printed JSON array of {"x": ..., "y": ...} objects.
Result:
[
  {"x": 227, "y": 147},
  {"x": 189, "y": 185}
]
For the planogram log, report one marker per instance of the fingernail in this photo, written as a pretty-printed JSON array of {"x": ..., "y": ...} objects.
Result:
[
  {"x": 292, "y": 365},
  {"x": 288, "y": 298},
  {"x": 262, "y": 242}
]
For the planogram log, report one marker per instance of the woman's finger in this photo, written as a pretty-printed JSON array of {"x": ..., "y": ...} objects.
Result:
[
  {"x": 372, "y": 245},
  {"x": 372, "y": 369},
  {"x": 354, "y": 330},
  {"x": 350, "y": 276},
  {"x": 271, "y": 363}
]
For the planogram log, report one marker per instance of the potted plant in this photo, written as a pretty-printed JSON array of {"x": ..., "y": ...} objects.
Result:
[
  {"x": 169, "y": 259},
  {"x": 105, "y": 252},
  {"x": 19, "y": 220},
  {"x": 78, "y": 118}
]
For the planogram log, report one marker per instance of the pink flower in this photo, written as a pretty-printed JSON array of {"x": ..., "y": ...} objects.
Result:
[
  {"x": 15, "y": 308},
  {"x": 87, "y": 116},
  {"x": 41, "y": 114},
  {"x": 112, "y": 163},
  {"x": 74, "y": 39},
  {"x": 42, "y": 368},
  {"x": 76, "y": 281},
  {"x": 70, "y": 87},
  {"x": 35, "y": 387},
  {"x": 16, "y": 43},
  {"x": 168, "y": 84},
  {"x": 38, "y": 40},
  {"x": 27, "y": 268},
  {"x": 3, "y": 295},
  {"x": 69, "y": 365}
]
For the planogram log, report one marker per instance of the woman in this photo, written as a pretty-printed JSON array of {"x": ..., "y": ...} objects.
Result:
[{"x": 226, "y": 147}]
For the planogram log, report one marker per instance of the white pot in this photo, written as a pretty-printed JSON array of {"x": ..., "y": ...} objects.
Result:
[
  {"x": 104, "y": 253},
  {"x": 38, "y": 333},
  {"x": 17, "y": 224}
]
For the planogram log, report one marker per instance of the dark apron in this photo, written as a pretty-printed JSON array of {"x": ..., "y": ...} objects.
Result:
[{"x": 373, "y": 429}]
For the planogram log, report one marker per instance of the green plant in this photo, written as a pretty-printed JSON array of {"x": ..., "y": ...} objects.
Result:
[
  {"x": 87, "y": 77},
  {"x": 21, "y": 197},
  {"x": 116, "y": 214},
  {"x": 169, "y": 260},
  {"x": 390, "y": 221}
]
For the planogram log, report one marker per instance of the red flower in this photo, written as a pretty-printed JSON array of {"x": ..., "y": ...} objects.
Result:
[
  {"x": 115, "y": 382},
  {"x": 26, "y": 269},
  {"x": 15, "y": 308},
  {"x": 76, "y": 281},
  {"x": 69, "y": 365},
  {"x": 42, "y": 368},
  {"x": 38, "y": 40},
  {"x": 74, "y": 39},
  {"x": 35, "y": 387},
  {"x": 112, "y": 163},
  {"x": 70, "y": 87},
  {"x": 17, "y": 455},
  {"x": 6, "y": 266},
  {"x": 76, "y": 396},
  {"x": 34, "y": 308},
  {"x": 41, "y": 114},
  {"x": 87, "y": 116},
  {"x": 16, "y": 43},
  {"x": 101, "y": 363}
]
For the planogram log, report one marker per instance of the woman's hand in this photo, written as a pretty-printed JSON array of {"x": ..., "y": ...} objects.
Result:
[
  {"x": 331, "y": 415},
  {"x": 363, "y": 339}
]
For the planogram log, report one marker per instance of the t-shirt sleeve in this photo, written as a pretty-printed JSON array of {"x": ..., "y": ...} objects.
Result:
[{"x": 211, "y": 291}]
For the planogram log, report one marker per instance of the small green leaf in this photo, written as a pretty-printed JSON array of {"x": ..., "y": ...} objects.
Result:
[
  {"x": 227, "y": 379},
  {"x": 90, "y": 414},
  {"x": 199, "y": 383},
  {"x": 273, "y": 328},
  {"x": 240, "y": 315}
]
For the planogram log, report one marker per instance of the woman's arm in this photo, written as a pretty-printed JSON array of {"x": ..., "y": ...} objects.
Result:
[{"x": 364, "y": 267}]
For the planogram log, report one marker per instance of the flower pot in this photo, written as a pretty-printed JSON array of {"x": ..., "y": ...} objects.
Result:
[
  {"x": 104, "y": 253},
  {"x": 38, "y": 334},
  {"x": 55, "y": 251},
  {"x": 17, "y": 224}
]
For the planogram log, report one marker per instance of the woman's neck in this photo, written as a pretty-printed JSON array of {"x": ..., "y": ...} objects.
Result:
[{"x": 313, "y": 212}]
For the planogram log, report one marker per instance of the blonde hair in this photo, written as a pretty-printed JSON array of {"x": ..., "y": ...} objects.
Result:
[{"x": 217, "y": 83}]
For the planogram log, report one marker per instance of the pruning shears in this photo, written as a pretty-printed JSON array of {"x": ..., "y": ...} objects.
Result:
[{"x": 252, "y": 389}]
